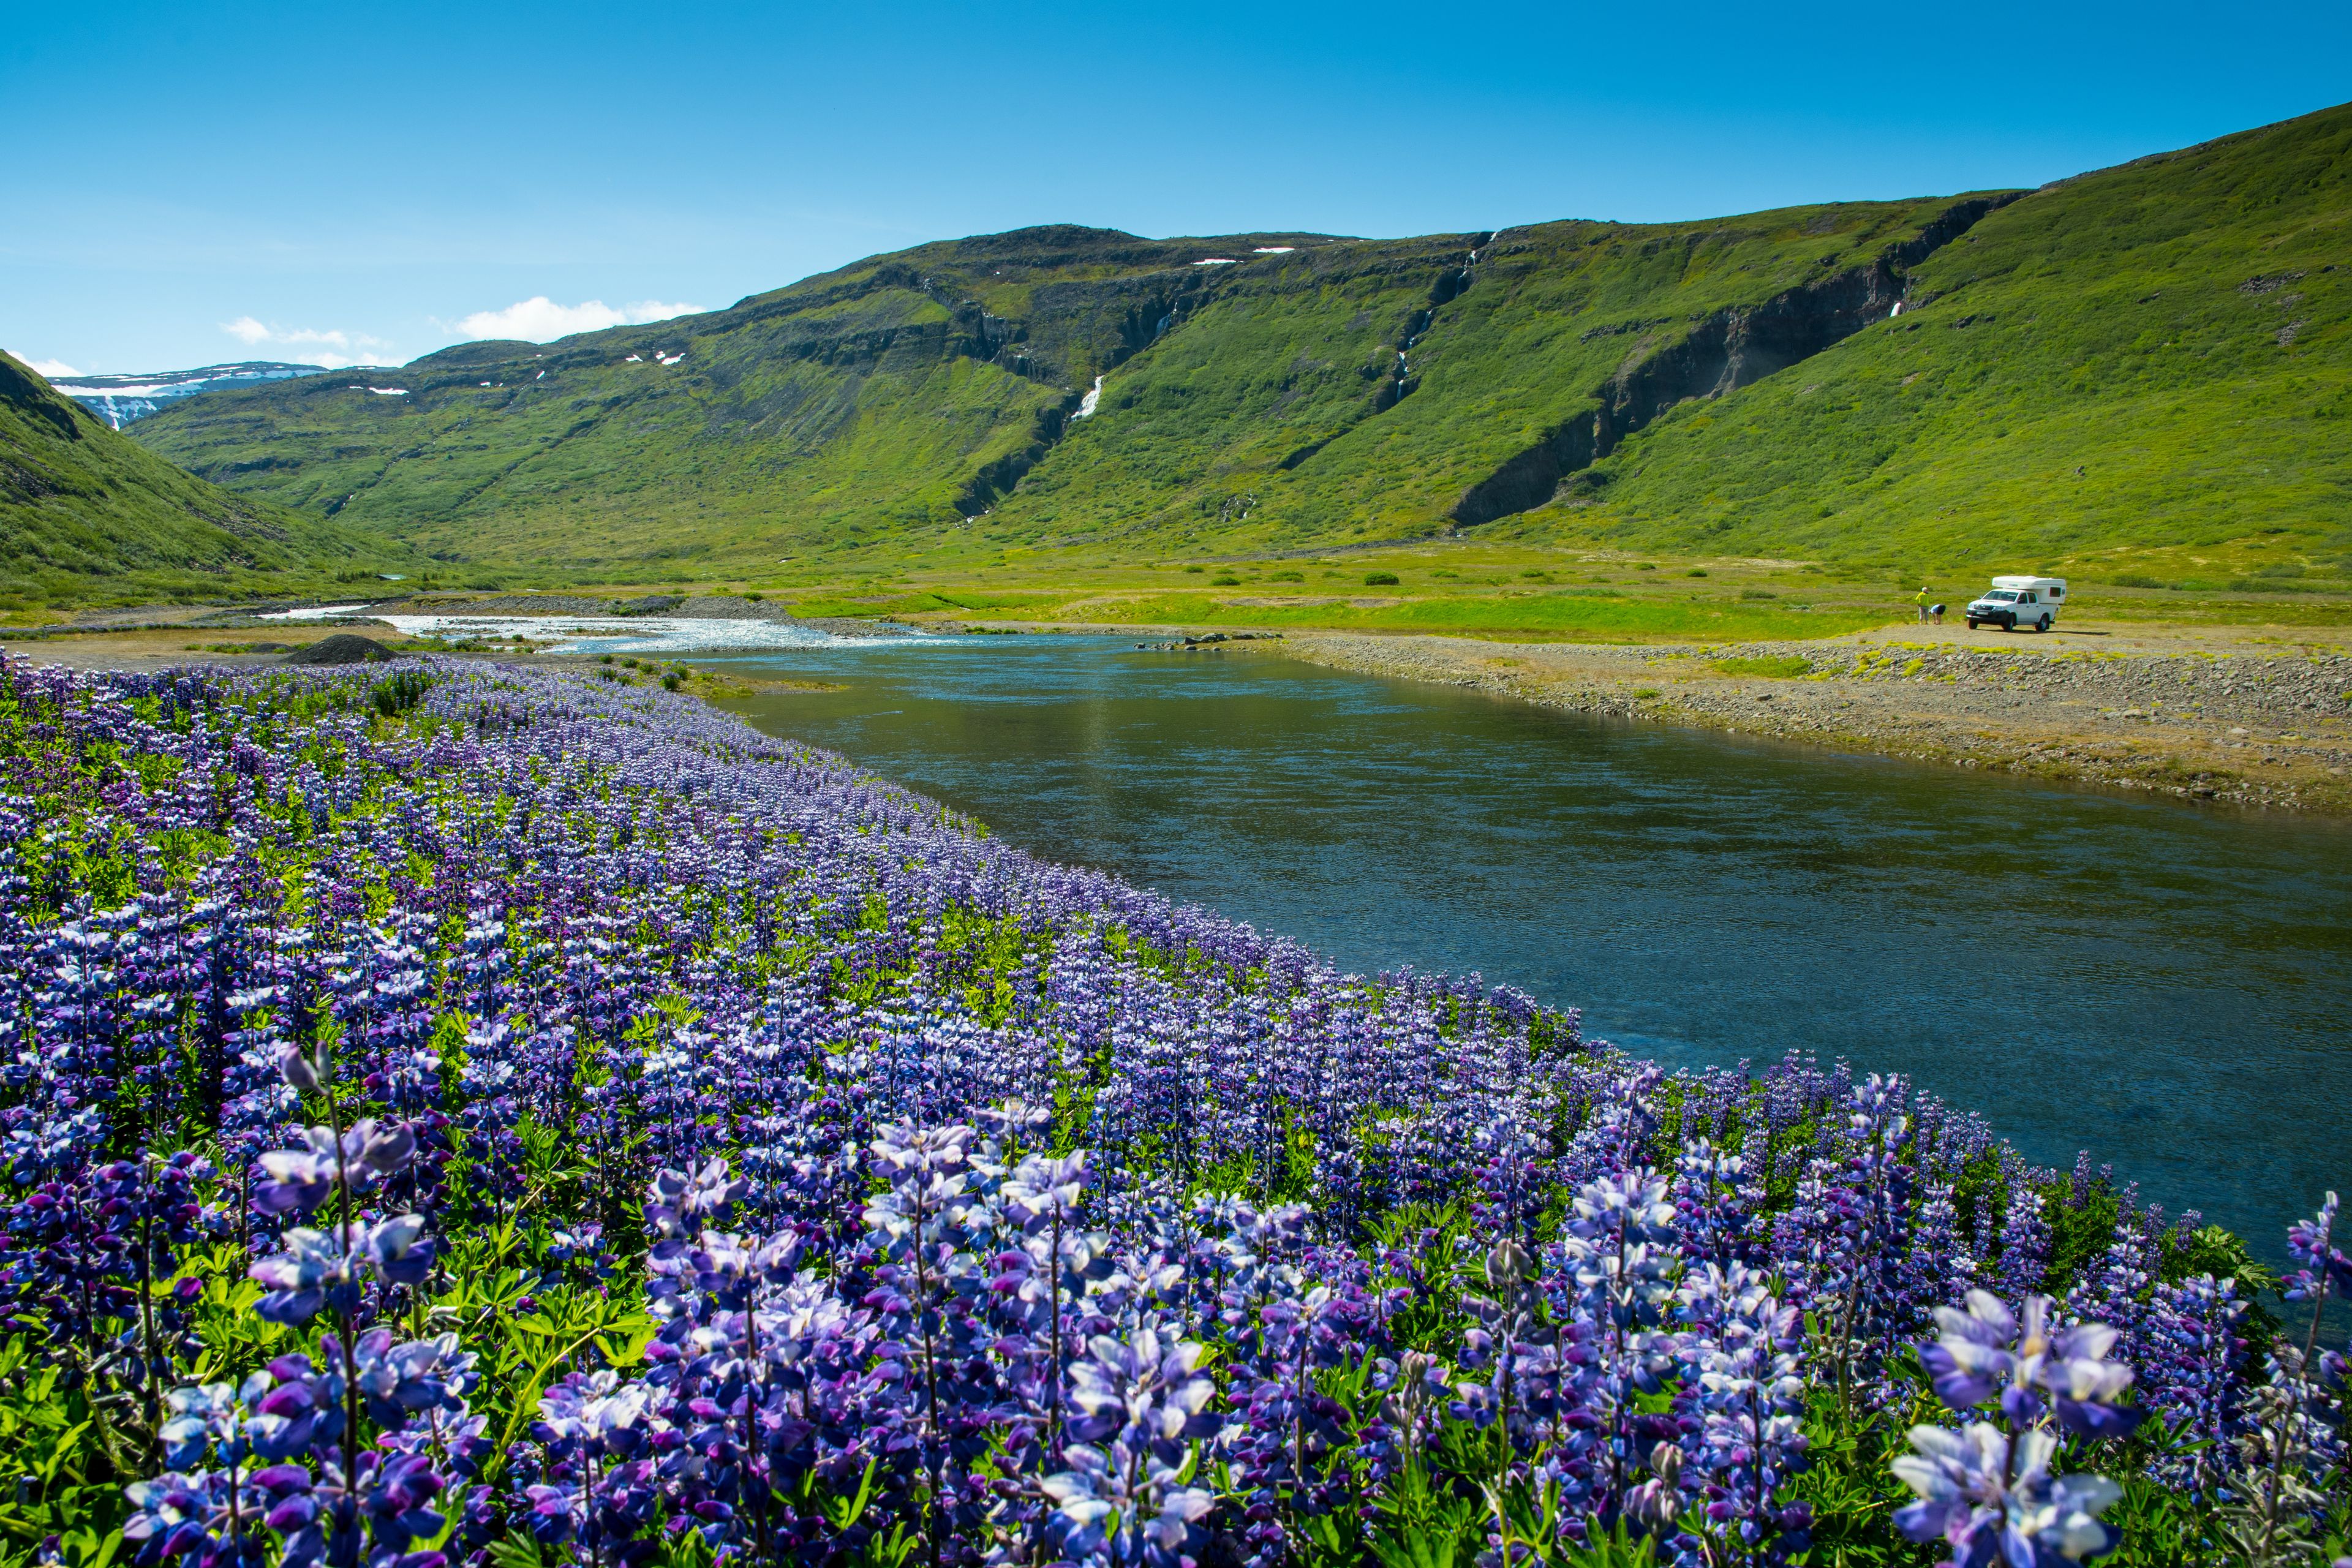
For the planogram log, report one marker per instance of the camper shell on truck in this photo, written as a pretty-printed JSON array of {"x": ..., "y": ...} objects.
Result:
[{"x": 2014, "y": 602}]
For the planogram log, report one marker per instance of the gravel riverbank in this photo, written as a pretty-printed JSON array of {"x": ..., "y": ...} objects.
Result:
[{"x": 2258, "y": 728}]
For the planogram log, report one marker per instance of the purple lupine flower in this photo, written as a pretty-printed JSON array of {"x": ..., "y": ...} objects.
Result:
[
  {"x": 2193, "y": 1379},
  {"x": 1989, "y": 1492},
  {"x": 300, "y": 1071},
  {"x": 396, "y": 1498},
  {"x": 324, "y": 1267},
  {"x": 287, "y": 1418},
  {"x": 552, "y": 1512},
  {"x": 1126, "y": 1496},
  {"x": 2321, "y": 1264},
  {"x": 399, "y": 1380},
  {"x": 176, "y": 1515},
  {"x": 682, "y": 1202},
  {"x": 213, "y": 1416},
  {"x": 1992, "y": 1506},
  {"x": 299, "y": 1179},
  {"x": 1985, "y": 1352}
]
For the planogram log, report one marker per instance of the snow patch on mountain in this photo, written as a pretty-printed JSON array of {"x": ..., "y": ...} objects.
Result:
[{"x": 120, "y": 399}]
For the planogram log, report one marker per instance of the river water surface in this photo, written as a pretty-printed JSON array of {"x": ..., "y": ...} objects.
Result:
[{"x": 2165, "y": 985}]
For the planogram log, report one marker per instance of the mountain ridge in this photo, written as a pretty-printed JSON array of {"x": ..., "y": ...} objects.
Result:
[
  {"x": 1278, "y": 390},
  {"x": 82, "y": 507},
  {"x": 123, "y": 399}
]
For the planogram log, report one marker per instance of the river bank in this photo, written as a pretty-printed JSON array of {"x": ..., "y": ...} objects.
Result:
[
  {"x": 2242, "y": 723},
  {"x": 2251, "y": 716}
]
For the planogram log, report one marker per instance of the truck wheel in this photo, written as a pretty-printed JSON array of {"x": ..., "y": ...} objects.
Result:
[
  {"x": 1972, "y": 626},
  {"x": 2042, "y": 624}
]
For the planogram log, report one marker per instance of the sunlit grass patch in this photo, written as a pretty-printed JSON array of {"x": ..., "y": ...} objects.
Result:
[
  {"x": 1786, "y": 667},
  {"x": 1575, "y": 616}
]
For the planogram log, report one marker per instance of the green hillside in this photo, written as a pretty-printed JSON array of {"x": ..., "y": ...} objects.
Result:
[
  {"x": 1292, "y": 388},
  {"x": 884, "y": 401},
  {"x": 2155, "y": 355},
  {"x": 87, "y": 514},
  {"x": 1340, "y": 401},
  {"x": 2175, "y": 330}
]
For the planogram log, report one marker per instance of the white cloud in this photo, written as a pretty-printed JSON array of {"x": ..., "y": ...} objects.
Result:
[
  {"x": 52, "y": 368},
  {"x": 331, "y": 349},
  {"x": 540, "y": 318}
]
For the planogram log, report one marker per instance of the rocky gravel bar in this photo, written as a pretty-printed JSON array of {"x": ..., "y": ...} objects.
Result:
[{"x": 2265, "y": 730}]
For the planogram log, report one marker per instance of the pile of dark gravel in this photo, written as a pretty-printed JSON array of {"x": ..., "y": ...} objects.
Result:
[{"x": 343, "y": 647}]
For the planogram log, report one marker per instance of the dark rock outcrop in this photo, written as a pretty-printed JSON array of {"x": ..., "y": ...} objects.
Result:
[
  {"x": 1721, "y": 354},
  {"x": 343, "y": 647}
]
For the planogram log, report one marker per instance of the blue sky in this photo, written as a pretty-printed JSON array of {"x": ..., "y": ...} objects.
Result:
[{"x": 189, "y": 183}]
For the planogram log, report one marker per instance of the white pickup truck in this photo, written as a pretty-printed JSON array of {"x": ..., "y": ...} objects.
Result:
[{"x": 2014, "y": 602}]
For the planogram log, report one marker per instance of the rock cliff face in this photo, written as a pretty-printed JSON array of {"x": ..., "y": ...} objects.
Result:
[{"x": 1725, "y": 350}]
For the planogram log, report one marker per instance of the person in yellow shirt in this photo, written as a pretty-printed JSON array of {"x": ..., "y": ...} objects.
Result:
[{"x": 1920, "y": 599}]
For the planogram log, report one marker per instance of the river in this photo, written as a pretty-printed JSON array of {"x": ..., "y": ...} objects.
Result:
[{"x": 2165, "y": 985}]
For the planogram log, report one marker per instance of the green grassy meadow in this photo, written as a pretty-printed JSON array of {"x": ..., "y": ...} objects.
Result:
[{"x": 1485, "y": 588}]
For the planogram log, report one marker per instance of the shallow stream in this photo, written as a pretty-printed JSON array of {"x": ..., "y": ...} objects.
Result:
[{"x": 2165, "y": 985}]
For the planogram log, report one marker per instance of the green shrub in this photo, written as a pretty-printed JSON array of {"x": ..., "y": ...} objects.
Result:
[
  {"x": 399, "y": 693},
  {"x": 1224, "y": 580},
  {"x": 1379, "y": 579},
  {"x": 1696, "y": 571},
  {"x": 1783, "y": 668}
]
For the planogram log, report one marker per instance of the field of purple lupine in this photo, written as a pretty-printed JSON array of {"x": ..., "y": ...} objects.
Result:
[{"x": 456, "y": 1115}]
